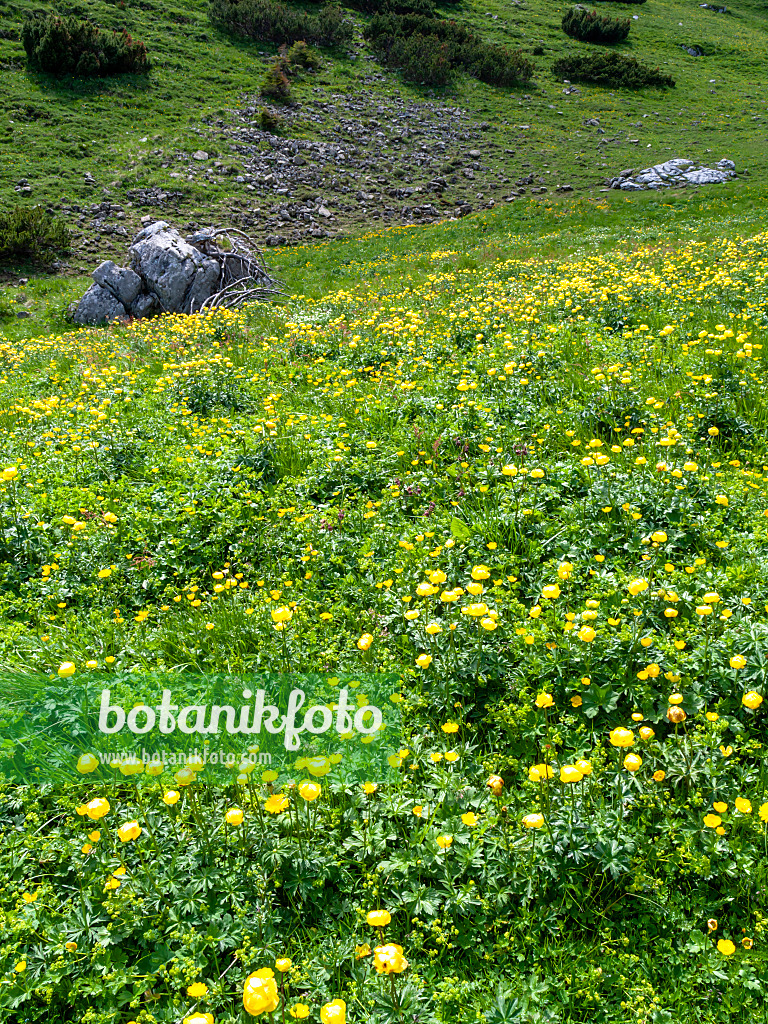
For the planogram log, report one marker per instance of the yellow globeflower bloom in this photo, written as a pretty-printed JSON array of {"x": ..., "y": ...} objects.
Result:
[
  {"x": 389, "y": 959},
  {"x": 712, "y": 820},
  {"x": 752, "y": 700},
  {"x": 309, "y": 791},
  {"x": 587, "y": 634},
  {"x": 570, "y": 773},
  {"x": 637, "y": 586},
  {"x": 260, "y": 993},
  {"x": 533, "y": 820},
  {"x": 128, "y": 831},
  {"x": 97, "y": 808},
  {"x": 738, "y": 661},
  {"x": 444, "y": 842},
  {"x": 378, "y": 918},
  {"x": 234, "y": 816},
  {"x": 171, "y": 797},
  {"x": 551, "y": 591},
  {"x": 632, "y": 762},
  {"x": 283, "y": 964},
  {"x": 334, "y": 1012},
  {"x": 424, "y": 660},
  {"x": 620, "y": 737},
  {"x": 66, "y": 669},
  {"x": 742, "y": 806},
  {"x": 365, "y": 641},
  {"x": 544, "y": 700},
  {"x": 87, "y": 763},
  {"x": 726, "y": 947},
  {"x": 276, "y": 803}
]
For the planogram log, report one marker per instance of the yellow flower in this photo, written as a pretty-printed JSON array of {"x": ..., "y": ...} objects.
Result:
[
  {"x": 587, "y": 634},
  {"x": 334, "y": 1012},
  {"x": 70, "y": 946},
  {"x": 632, "y": 762},
  {"x": 87, "y": 763},
  {"x": 365, "y": 641},
  {"x": 763, "y": 812},
  {"x": 378, "y": 918},
  {"x": 659, "y": 776},
  {"x": 418, "y": 810},
  {"x": 171, "y": 797},
  {"x": 712, "y": 820},
  {"x": 309, "y": 791},
  {"x": 299, "y": 1011},
  {"x": 369, "y": 787},
  {"x": 720, "y": 807},
  {"x": 444, "y": 842},
  {"x": 21, "y": 966},
  {"x": 495, "y": 783},
  {"x": 533, "y": 820},
  {"x": 738, "y": 661},
  {"x": 97, "y": 808},
  {"x": 743, "y": 806},
  {"x": 198, "y": 990},
  {"x": 636, "y": 587},
  {"x": 551, "y": 591},
  {"x": 480, "y": 572},
  {"x": 276, "y": 803},
  {"x": 726, "y": 751},
  {"x": 726, "y": 947},
  {"x": 389, "y": 959},
  {"x": 283, "y": 964},
  {"x": 470, "y": 818},
  {"x": 564, "y": 570},
  {"x": 128, "y": 831},
  {"x": 658, "y": 537},
  {"x": 747, "y": 943},
  {"x": 424, "y": 660},
  {"x": 621, "y": 737},
  {"x": 260, "y": 992},
  {"x": 234, "y": 816},
  {"x": 752, "y": 700},
  {"x": 544, "y": 700},
  {"x": 66, "y": 669},
  {"x": 361, "y": 951},
  {"x": 576, "y": 701},
  {"x": 570, "y": 773},
  {"x": 721, "y": 499},
  {"x": 584, "y": 767},
  {"x": 450, "y": 727}
]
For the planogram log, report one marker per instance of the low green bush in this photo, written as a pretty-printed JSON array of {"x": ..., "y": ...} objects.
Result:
[
  {"x": 302, "y": 56},
  {"x": 69, "y": 46},
  {"x": 275, "y": 85},
  {"x": 429, "y": 49},
  {"x": 591, "y": 27},
  {"x": 30, "y": 234},
  {"x": 609, "y": 68},
  {"x": 266, "y": 20}
]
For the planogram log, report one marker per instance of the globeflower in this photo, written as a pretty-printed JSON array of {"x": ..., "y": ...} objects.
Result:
[
  {"x": 551, "y": 591},
  {"x": 742, "y": 806},
  {"x": 621, "y": 737},
  {"x": 495, "y": 783},
  {"x": 87, "y": 763},
  {"x": 637, "y": 586},
  {"x": 587, "y": 634},
  {"x": 632, "y": 762},
  {"x": 570, "y": 773},
  {"x": 97, "y": 808},
  {"x": 544, "y": 700},
  {"x": 378, "y": 918},
  {"x": 424, "y": 660},
  {"x": 283, "y": 964},
  {"x": 726, "y": 947},
  {"x": 365, "y": 641},
  {"x": 752, "y": 700},
  {"x": 234, "y": 816},
  {"x": 450, "y": 727},
  {"x": 260, "y": 992},
  {"x": 533, "y": 820},
  {"x": 66, "y": 669},
  {"x": 197, "y": 990},
  {"x": 299, "y": 1011},
  {"x": 738, "y": 661},
  {"x": 130, "y": 830},
  {"x": 309, "y": 791},
  {"x": 334, "y": 1012},
  {"x": 389, "y": 959}
]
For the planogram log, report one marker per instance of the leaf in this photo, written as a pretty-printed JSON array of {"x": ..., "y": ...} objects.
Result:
[{"x": 459, "y": 529}]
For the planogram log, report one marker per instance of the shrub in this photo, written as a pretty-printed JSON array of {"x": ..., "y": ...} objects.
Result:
[
  {"x": 275, "y": 83},
  {"x": 403, "y": 41},
  {"x": 302, "y": 56},
  {"x": 68, "y": 46},
  {"x": 591, "y": 27},
  {"x": 267, "y": 20},
  {"x": 608, "y": 68},
  {"x": 31, "y": 234},
  {"x": 270, "y": 122},
  {"x": 423, "y": 7}
]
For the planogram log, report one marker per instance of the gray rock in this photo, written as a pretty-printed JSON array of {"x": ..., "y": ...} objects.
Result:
[
  {"x": 178, "y": 274},
  {"x": 145, "y": 305},
  {"x": 122, "y": 282},
  {"x": 200, "y": 154},
  {"x": 98, "y": 306}
]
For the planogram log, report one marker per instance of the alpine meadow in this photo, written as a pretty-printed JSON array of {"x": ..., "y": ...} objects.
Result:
[{"x": 383, "y": 512}]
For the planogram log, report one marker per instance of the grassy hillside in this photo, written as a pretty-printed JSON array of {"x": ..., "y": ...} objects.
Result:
[{"x": 133, "y": 133}]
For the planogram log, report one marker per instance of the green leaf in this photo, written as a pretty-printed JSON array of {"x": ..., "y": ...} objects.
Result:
[{"x": 459, "y": 529}]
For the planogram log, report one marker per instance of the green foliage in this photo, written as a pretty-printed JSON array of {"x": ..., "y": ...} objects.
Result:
[
  {"x": 29, "y": 233},
  {"x": 610, "y": 69},
  {"x": 267, "y": 20},
  {"x": 269, "y": 121},
  {"x": 69, "y": 46},
  {"x": 430, "y": 49},
  {"x": 275, "y": 84},
  {"x": 591, "y": 27},
  {"x": 302, "y": 56}
]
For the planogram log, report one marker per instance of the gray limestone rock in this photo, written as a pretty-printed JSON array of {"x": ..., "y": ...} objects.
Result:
[
  {"x": 122, "y": 282},
  {"x": 98, "y": 306},
  {"x": 178, "y": 274}
]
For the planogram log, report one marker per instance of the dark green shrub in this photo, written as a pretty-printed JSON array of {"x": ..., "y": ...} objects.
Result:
[
  {"x": 275, "y": 84},
  {"x": 497, "y": 66},
  {"x": 401, "y": 41},
  {"x": 267, "y": 20},
  {"x": 609, "y": 68},
  {"x": 302, "y": 56},
  {"x": 423, "y": 7},
  {"x": 31, "y": 234},
  {"x": 68, "y": 46},
  {"x": 270, "y": 122},
  {"x": 591, "y": 27}
]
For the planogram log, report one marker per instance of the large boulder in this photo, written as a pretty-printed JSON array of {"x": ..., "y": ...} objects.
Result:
[
  {"x": 99, "y": 306},
  {"x": 124, "y": 284},
  {"x": 180, "y": 276},
  {"x": 674, "y": 172}
]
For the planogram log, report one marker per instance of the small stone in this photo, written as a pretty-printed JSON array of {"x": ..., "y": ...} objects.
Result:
[{"x": 199, "y": 154}]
